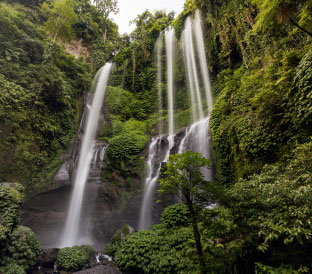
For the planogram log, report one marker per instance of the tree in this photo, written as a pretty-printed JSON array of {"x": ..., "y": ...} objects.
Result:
[
  {"x": 182, "y": 177},
  {"x": 61, "y": 16},
  {"x": 106, "y": 7},
  {"x": 279, "y": 10}
]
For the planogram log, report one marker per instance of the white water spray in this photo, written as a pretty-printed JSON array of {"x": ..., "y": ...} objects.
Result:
[
  {"x": 197, "y": 138},
  {"x": 71, "y": 232}
]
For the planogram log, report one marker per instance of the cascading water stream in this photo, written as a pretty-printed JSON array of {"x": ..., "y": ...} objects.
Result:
[
  {"x": 193, "y": 79},
  {"x": 149, "y": 186},
  {"x": 197, "y": 137},
  {"x": 154, "y": 164},
  {"x": 71, "y": 231},
  {"x": 169, "y": 54},
  {"x": 202, "y": 60},
  {"x": 158, "y": 51}
]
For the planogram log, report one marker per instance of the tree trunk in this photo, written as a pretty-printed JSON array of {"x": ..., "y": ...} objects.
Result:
[
  {"x": 105, "y": 31},
  {"x": 196, "y": 234}
]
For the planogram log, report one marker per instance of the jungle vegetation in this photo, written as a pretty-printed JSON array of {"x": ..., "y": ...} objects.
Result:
[{"x": 259, "y": 54}]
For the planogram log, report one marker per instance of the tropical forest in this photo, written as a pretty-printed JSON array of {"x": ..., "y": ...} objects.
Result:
[{"x": 181, "y": 146}]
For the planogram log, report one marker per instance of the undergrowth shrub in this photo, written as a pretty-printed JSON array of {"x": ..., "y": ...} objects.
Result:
[
  {"x": 73, "y": 258},
  {"x": 24, "y": 247},
  {"x": 175, "y": 215}
]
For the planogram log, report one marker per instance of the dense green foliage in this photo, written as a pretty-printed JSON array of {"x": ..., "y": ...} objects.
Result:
[
  {"x": 40, "y": 89},
  {"x": 155, "y": 251},
  {"x": 262, "y": 225},
  {"x": 61, "y": 16},
  {"x": 260, "y": 56},
  {"x": 277, "y": 207},
  {"x": 258, "y": 115},
  {"x": 73, "y": 258},
  {"x": 175, "y": 215},
  {"x": 19, "y": 247},
  {"x": 126, "y": 131},
  {"x": 182, "y": 177},
  {"x": 24, "y": 247},
  {"x": 12, "y": 268}
]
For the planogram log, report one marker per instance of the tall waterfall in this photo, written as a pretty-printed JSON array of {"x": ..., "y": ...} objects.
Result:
[
  {"x": 170, "y": 53},
  {"x": 202, "y": 59},
  {"x": 71, "y": 232},
  {"x": 158, "y": 51},
  {"x": 154, "y": 158},
  {"x": 197, "y": 135},
  {"x": 193, "y": 79}
]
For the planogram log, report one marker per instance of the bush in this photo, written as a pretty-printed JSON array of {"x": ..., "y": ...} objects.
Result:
[
  {"x": 12, "y": 268},
  {"x": 24, "y": 247},
  {"x": 158, "y": 250},
  {"x": 284, "y": 269},
  {"x": 11, "y": 196},
  {"x": 73, "y": 258},
  {"x": 124, "y": 147},
  {"x": 175, "y": 215},
  {"x": 300, "y": 100}
]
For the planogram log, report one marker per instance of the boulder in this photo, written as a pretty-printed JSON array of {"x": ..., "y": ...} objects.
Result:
[
  {"x": 100, "y": 269},
  {"x": 48, "y": 257}
]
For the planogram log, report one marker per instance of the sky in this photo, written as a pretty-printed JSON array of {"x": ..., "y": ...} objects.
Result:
[{"x": 129, "y": 9}]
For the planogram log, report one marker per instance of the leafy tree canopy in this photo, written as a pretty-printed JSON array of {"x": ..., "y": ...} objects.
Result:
[{"x": 61, "y": 16}]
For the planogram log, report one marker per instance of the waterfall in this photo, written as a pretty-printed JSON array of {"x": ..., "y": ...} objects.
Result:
[
  {"x": 158, "y": 51},
  {"x": 169, "y": 54},
  {"x": 154, "y": 161},
  {"x": 197, "y": 136},
  {"x": 71, "y": 231},
  {"x": 202, "y": 59},
  {"x": 149, "y": 186},
  {"x": 193, "y": 79}
]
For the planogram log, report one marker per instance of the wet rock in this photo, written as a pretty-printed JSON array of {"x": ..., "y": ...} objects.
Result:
[
  {"x": 177, "y": 141},
  {"x": 100, "y": 269},
  {"x": 48, "y": 257}
]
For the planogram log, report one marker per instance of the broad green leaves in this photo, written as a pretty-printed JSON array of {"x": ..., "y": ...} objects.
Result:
[{"x": 277, "y": 203}]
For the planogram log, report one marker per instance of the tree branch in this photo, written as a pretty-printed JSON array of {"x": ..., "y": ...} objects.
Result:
[{"x": 299, "y": 27}]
